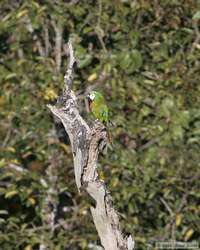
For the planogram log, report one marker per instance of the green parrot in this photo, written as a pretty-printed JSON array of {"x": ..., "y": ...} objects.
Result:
[{"x": 98, "y": 107}]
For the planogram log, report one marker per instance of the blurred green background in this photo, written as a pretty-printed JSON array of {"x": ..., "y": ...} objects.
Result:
[{"x": 144, "y": 56}]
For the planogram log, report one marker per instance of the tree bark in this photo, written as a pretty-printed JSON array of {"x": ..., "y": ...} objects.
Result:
[{"x": 86, "y": 143}]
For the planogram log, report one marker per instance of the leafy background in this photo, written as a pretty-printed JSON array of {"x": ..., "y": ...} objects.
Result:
[{"x": 144, "y": 57}]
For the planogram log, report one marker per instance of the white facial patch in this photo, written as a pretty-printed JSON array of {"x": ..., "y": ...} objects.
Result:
[{"x": 92, "y": 96}]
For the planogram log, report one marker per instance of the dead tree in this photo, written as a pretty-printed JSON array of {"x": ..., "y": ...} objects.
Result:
[{"x": 86, "y": 143}]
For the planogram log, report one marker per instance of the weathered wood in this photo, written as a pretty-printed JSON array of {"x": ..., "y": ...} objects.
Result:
[{"x": 86, "y": 143}]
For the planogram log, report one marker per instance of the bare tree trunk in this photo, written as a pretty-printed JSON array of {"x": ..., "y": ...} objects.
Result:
[{"x": 86, "y": 144}]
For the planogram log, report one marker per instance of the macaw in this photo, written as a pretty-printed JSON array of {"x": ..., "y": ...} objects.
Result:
[{"x": 98, "y": 107}]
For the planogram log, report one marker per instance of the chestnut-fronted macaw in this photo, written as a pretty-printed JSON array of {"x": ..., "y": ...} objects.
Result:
[{"x": 98, "y": 107}]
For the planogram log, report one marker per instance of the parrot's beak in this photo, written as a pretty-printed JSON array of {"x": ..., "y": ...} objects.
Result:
[{"x": 89, "y": 102}]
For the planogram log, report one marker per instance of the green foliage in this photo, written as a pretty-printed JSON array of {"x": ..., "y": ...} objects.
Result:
[{"x": 150, "y": 52}]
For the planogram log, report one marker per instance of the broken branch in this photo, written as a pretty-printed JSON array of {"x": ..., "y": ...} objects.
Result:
[{"x": 87, "y": 142}]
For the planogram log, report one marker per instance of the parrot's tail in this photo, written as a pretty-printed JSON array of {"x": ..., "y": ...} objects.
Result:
[{"x": 110, "y": 139}]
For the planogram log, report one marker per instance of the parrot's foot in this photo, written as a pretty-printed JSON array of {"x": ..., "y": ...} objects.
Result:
[{"x": 97, "y": 123}]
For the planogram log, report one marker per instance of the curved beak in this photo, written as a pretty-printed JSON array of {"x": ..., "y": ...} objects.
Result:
[{"x": 89, "y": 102}]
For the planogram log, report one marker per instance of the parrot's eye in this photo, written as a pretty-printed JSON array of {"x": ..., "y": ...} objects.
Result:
[{"x": 92, "y": 96}]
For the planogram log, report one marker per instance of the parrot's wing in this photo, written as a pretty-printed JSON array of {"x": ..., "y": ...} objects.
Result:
[{"x": 104, "y": 113}]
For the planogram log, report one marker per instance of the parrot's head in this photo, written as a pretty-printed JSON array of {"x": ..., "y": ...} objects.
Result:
[{"x": 91, "y": 96}]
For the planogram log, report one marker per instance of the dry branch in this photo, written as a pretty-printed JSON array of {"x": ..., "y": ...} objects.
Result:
[
  {"x": 58, "y": 28},
  {"x": 86, "y": 144}
]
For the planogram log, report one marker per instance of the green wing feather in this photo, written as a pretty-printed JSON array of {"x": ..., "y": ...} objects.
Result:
[{"x": 104, "y": 114}]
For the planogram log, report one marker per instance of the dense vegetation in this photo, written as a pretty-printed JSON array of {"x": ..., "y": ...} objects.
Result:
[{"x": 144, "y": 56}]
